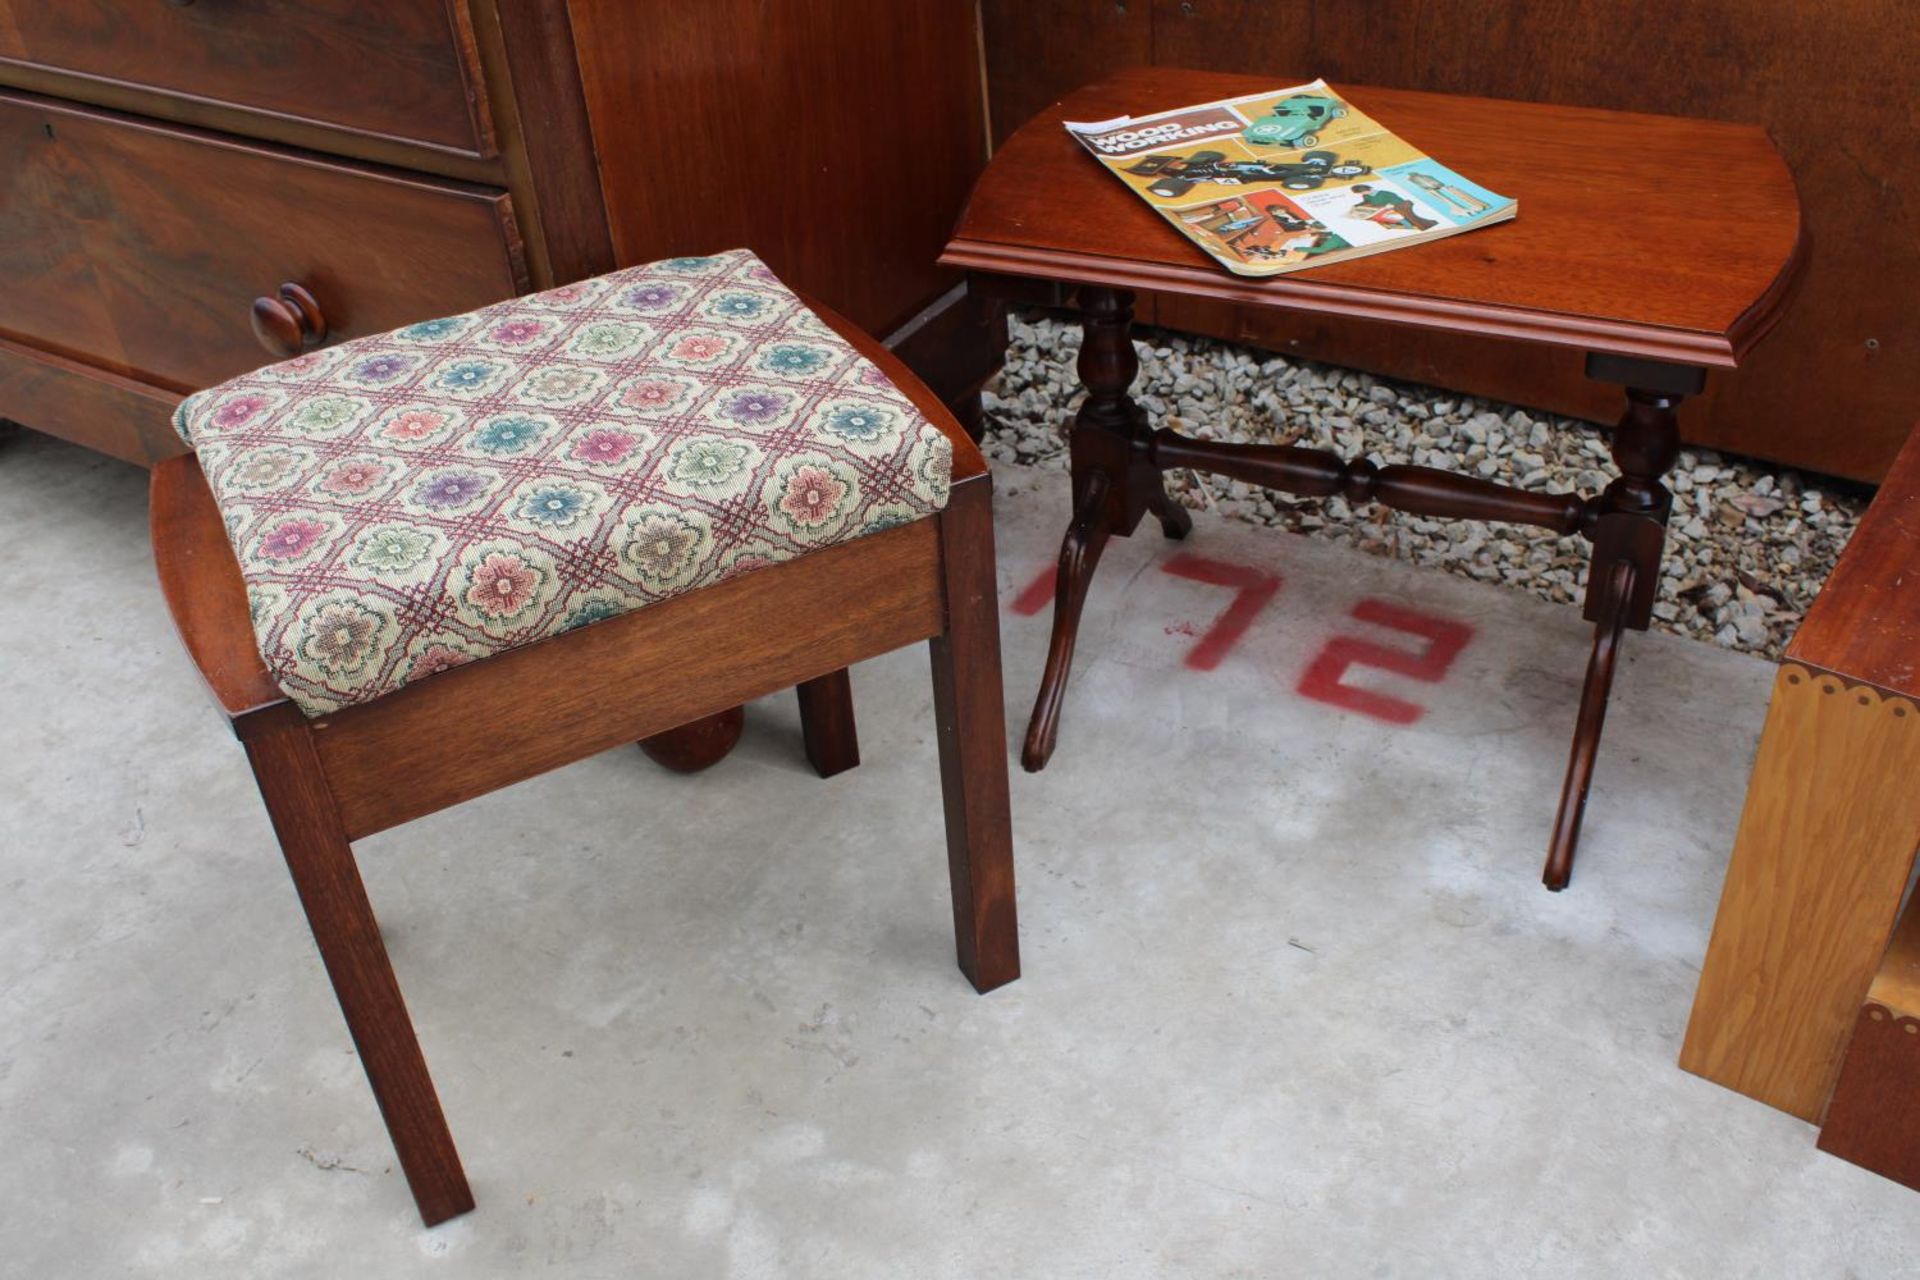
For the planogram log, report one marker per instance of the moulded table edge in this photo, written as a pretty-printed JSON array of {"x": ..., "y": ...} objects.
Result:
[{"x": 1585, "y": 333}]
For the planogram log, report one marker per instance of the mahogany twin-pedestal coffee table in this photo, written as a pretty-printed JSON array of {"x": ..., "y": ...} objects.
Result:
[{"x": 1660, "y": 247}]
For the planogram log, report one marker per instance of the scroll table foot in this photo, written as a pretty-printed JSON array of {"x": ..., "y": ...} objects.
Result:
[
  {"x": 1087, "y": 537},
  {"x": 1586, "y": 734}
]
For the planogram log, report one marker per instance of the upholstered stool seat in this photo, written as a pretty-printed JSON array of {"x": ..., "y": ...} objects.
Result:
[
  {"x": 405, "y": 503},
  {"x": 418, "y": 567}
]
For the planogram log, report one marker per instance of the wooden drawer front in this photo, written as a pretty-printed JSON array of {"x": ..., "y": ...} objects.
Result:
[
  {"x": 117, "y": 416},
  {"x": 390, "y": 68},
  {"x": 142, "y": 248}
]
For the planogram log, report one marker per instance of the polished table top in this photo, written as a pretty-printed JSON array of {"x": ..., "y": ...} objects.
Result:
[{"x": 1642, "y": 236}]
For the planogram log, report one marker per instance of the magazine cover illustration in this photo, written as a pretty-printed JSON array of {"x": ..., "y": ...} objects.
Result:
[{"x": 1288, "y": 179}]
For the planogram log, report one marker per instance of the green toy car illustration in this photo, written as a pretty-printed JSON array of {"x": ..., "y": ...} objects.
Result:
[
  {"x": 1175, "y": 175},
  {"x": 1294, "y": 121}
]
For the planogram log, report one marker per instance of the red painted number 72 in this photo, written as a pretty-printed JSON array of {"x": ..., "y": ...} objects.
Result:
[{"x": 1325, "y": 677}]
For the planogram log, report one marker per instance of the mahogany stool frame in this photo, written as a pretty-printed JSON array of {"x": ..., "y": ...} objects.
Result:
[{"x": 329, "y": 781}]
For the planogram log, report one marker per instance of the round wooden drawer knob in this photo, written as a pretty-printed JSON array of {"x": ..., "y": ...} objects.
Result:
[{"x": 290, "y": 323}]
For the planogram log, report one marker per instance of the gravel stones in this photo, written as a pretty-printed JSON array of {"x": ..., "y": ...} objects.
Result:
[{"x": 1747, "y": 548}]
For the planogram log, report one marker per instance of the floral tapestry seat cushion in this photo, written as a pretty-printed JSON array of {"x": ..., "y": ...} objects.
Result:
[{"x": 405, "y": 503}]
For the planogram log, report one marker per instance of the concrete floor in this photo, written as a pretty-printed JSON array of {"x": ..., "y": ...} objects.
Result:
[{"x": 1294, "y": 1004}]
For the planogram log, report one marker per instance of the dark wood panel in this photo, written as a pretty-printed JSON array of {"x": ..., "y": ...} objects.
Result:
[
  {"x": 388, "y": 68},
  {"x": 117, "y": 416},
  {"x": 142, "y": 249},
  {"x": 955, "y": 345},
  {"x": 1367, "y": 41},
  {"x": 526, "y": 47},
  {"x": 1038, "y": 51},
  {"x": 199, "y": 113},
  {"x": 836, "y": 140},
  {"x": 1866, "y": 622},
  {"x": 1834, "y": 388},
  {"x": 1874, "y": 1117}
]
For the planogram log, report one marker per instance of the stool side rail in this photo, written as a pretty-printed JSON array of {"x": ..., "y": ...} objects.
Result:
[{"x": 466, "y": 731}]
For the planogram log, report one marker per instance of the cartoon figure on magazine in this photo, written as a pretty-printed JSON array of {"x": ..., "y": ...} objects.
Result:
[
  {"x": 1461, "y": 202},
  {"x": 1387, "y": 209},
  {"x": 1227, "y": 219},
  {"x": 1290, "y": 221},
  {"x": 1236, "y": 224},
  {"x": 1272, "y": 231},
  {"x": 1175, "y": 175},
  {"x": 1288, "y": 247},
  {"x": 1304, "y": 237},
  {"x": 1306, "y": 244}
]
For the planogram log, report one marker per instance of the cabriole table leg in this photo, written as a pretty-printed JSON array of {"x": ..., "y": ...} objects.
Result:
[
  {"x": 1628, "y": 539},
  {"x": 1115, "y": 484}
]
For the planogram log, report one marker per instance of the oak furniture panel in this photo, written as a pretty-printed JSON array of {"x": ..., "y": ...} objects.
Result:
[
  {"x": 1826, "y": 843},
  {"x": 1823, "y": 852}
]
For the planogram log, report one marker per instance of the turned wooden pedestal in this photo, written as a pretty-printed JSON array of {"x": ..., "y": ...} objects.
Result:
[{"x": 1655, "y": 299}]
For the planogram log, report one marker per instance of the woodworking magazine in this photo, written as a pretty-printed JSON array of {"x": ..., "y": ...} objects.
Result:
[{"x": 1289, "y": 179}]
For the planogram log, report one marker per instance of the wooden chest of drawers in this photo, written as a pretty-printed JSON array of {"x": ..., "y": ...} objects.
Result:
[{"x": 191, "y": 188}]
